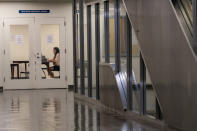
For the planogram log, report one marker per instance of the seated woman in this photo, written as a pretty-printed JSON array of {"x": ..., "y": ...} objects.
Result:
[{"x": 56, "y": 62}]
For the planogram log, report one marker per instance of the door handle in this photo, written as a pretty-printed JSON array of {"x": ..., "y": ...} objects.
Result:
[{"x": 37, "y": 56}]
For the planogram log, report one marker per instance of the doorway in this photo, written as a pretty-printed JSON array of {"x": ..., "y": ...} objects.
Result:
[{"x": 29, "y": 53}]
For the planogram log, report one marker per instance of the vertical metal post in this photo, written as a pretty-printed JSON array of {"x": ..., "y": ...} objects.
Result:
[
  {"x": 83, "y": 118},
  {"x": 98, "y": 121},
  {"x": 82, "y": 71},
  {"x": 142, "y": 86},
  {"x": 194, "y": 5},
  {"x": 106, "y": 26},
  {"x": 97, "y": 41},
  {"x": 76, "y": 118},
  {"x": 90, "y": 119},
  {"x": 74, "y": 47},
  {"x": 89, "y": 42},
  {"x": 129, "y": 65},
  {"x": 117, "y": 34}
]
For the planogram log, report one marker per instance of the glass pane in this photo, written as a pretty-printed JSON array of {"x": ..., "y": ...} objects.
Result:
[
  {"x": 78, "y": 51},
  {"x": 102, "y": 33},
  {"x": 78, "y": 46},
  {"x": 93, "y": 54},
  {"x": 50, "y": 40},
  {"x": 136, "y": 73},
  {"x": 112, "y": 31},
  {"x": 85, "y": 52},
  {"x": 19, "y": 51},
  {"x": 150, "y": 97},
  {"x": 123, "y": 37}
]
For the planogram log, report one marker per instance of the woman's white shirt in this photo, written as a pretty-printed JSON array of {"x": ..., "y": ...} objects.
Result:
[{"x": 57, "y": 59}]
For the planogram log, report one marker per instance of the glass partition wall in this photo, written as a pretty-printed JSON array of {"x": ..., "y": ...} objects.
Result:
[
  {"x": 111, "y": 31},
  {"x": 85, "y": 54},
  {"x": 103, "y": 34},
  {"x": 93, "y": 49},
  {"x": 77, "y": 23},
  {"x": 123, "y": 38}
]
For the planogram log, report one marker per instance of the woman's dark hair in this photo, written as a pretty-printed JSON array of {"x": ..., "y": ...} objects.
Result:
[{"x": 57, "y": 50}]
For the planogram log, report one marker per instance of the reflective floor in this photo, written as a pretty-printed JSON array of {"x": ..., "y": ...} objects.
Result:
[{"x": 56, "y": 110}]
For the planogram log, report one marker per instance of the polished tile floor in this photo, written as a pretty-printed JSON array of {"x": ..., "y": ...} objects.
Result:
[{"x": 56, "y": 110}]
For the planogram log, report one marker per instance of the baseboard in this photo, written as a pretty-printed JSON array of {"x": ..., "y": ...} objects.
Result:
[{"x": 148, "y": 86}]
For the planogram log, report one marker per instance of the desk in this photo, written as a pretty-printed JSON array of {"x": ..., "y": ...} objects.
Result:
[
  {"x": 46, "y": 63},
  {"x": 12, "y": 70},
  {"x": 22, "y": 62}
]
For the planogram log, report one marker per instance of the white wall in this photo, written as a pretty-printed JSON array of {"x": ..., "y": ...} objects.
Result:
[{"x": 10, "y": 9}]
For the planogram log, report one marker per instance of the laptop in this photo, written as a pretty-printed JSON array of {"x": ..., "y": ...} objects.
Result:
[{"x": 44, "y": 59}]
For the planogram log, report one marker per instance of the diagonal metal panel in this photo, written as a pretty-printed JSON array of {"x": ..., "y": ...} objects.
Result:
[
  {"x": 112, "y": 87},
  {"x": 169, "y": 58}
]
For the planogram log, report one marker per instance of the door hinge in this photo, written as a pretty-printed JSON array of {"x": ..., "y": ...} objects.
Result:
[
  {"x": 4, "y": 79},
  {"x": 4, "y": 52},
  {"x": 66, "y": 78},
  {"x": 3, "y": 24},
  {"x": 64, "y": 23},
  {"x": 65, "y": 51}
]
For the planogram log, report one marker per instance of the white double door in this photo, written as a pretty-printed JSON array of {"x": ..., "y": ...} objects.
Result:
[{"x": 28, "y": 44}]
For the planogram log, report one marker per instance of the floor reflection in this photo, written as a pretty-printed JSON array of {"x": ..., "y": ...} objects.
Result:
[{"x": 56, "y": 110}]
